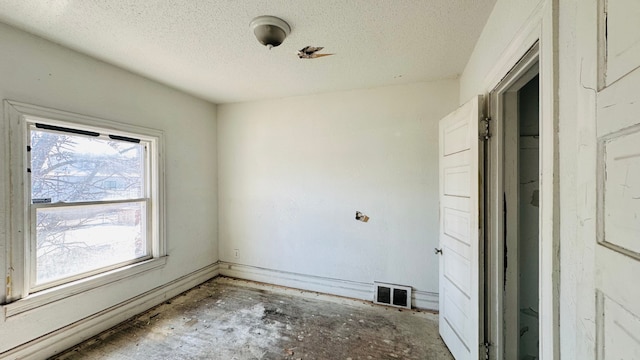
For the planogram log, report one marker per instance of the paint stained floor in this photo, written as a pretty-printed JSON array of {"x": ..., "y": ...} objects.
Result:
[{"x": 234, "y": 319}]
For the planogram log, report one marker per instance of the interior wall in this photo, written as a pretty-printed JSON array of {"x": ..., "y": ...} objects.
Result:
[
  {"x": 294, "y": 171},
  {"x": 35, "y": 71},
  {"x": 506, "y": 19}
]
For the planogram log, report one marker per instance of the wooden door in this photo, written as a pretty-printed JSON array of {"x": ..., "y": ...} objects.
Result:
[
  {"x": 617, "y": 256},
  {"x": 460, "y": 244}
]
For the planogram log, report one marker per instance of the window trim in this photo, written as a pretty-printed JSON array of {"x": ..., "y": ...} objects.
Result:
[{"x": 19, "y": 115}]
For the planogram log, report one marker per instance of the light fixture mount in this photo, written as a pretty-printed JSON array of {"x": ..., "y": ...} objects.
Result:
[{"x": 270, "y": 30}]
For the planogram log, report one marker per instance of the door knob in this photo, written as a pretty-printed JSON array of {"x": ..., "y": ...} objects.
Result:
[{"x": 438, "y": 251}]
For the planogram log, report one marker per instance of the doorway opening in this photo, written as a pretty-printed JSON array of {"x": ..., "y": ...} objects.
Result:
[
  {"x": 522, "y": 230},
  {"x": 513, "y": 213}
]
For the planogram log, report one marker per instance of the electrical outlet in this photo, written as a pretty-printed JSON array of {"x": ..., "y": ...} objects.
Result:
[{"x": 235, "y": 253}]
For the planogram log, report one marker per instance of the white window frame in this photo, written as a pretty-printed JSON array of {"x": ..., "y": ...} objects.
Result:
[
  {"x": 20, "y": 292},
  {"x": 145, "y": 141}
]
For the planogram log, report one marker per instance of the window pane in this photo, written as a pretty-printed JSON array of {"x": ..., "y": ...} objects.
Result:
[
  {"x": 73, "y": 168},
  {"x": 79, "y": 239}
]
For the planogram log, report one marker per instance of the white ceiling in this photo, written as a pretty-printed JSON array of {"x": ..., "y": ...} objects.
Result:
[{"x": 207, "y": 49}]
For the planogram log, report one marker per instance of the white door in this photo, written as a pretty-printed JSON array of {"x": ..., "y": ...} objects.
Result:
[
  {"x": 460, "y": 274},
  {"x": 617, "y": 255}
]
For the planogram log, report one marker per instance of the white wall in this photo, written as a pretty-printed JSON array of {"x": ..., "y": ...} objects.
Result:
[
  {"x": 36, "y": 71},
  {"x": 294, "y": 171},
  {"x": 507, "y": 19}
]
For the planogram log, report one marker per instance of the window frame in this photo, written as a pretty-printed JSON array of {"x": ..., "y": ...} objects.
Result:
[
  {"x": 21, "y": 294},
  {"x": 31, "y": 125}
]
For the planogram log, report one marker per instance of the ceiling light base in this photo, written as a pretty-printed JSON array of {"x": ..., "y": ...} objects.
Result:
[{"x": 270, "y": 30}]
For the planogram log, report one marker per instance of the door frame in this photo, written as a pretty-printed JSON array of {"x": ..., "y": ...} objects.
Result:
[
  {"x": 542, "y": 28},
  {"x": 501, "y": 189}
]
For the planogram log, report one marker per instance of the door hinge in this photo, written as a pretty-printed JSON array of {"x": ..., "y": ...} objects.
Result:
[
  {"x": 485, "y": 131},
  {"x": 487, "y": 346}
]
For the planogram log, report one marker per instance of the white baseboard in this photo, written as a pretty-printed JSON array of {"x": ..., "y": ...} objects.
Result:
[
  {"x": 68, "y": 336},
  {"x": 425, "y": 300},
  {"x": 351, "y": 289}
]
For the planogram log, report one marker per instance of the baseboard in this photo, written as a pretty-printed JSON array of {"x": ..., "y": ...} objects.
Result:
[
  {"x": 70, "y": 335},
  {"x": 425, "y": 300},
  {"x": 352, "y": 289}
]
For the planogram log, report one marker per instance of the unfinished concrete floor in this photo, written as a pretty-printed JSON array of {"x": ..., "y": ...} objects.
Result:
[{"x": 234, "y": 319}]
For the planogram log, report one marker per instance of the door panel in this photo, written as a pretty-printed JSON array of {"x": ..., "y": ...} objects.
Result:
[
  {"x": 620, "y": 166},
  {"x": 457, "y": 181},
  {"x": 617, "y": 259},
  {"x": 457, "y": 268},
  {"x": 624, "y": 327},
  {"x": 456, "y": 138},
  {"x": 455, "y": 222},
  {"x": 623, "y": 38},
  {"x": 459, "y": 220}
]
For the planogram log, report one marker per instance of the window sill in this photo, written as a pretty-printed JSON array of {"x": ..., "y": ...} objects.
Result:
[{"x": 57, "y": 293}]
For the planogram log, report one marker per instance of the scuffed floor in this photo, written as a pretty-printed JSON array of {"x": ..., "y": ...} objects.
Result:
[{"x": 234, "y": 319}]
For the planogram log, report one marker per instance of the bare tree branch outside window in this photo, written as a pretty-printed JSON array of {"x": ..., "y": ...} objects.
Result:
[{"x": 70, "y": 168}]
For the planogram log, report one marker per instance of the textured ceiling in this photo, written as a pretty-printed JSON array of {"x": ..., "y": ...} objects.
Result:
[{"x": 207, "y": 49}]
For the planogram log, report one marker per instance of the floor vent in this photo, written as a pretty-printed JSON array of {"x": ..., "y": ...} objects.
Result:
[{"x": 391, "y": 294}]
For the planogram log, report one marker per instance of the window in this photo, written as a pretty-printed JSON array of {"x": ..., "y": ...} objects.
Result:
[
  {"x": 92, "y": 205},
  {"x": 81, "y": 222}
]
